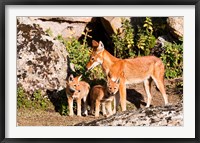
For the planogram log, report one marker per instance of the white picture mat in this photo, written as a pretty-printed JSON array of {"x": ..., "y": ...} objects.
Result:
[{"x": 186, "y": 131}]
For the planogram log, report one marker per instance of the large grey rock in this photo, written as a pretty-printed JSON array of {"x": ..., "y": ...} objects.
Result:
[
  {"x": 153, "y": 116},
  {"x": 176, "y": 26},
  {"x": 68, "y": 27},
  {"x": 41, "y": 61}
]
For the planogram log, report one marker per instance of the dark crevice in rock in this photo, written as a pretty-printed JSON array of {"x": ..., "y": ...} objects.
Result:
[{"x": 59, "y": 20}]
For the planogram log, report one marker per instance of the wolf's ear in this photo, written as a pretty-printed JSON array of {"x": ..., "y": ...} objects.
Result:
[
  {"x": 95, "y": 44},
  {"x": 107, "y": 78},
  {"x": 100, "y": 47},
  {"x": 79, "y": 78},
  {"x": 117, "y": 81},
  {"x": 72, "y": 67},
  {"x": 71, "y": 77}
]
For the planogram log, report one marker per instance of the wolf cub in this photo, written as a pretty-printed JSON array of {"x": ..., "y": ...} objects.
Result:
[
  {"x": 103, "y": 95},
  {"x": 77, "y": 90}
]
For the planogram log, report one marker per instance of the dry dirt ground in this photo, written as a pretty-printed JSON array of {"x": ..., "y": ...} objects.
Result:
[{"x": 136, "y": 98}]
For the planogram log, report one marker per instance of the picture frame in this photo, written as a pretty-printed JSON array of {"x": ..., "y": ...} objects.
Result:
[{"x": 3, "y": 5}]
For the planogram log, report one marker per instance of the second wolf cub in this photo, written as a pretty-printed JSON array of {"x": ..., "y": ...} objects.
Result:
[{"x": 103, "y": 95}]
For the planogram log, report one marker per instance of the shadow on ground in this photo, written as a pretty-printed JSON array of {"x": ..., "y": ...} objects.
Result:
[
  {"x": 135, "y": 98},
  {"x": 59, "y": 99}
]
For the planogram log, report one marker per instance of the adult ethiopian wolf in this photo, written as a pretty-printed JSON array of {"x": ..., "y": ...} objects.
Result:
[{"x": 136, "y": 70}]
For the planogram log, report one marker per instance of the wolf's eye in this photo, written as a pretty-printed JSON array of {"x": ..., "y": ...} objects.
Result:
[
  {"x": 79, "y": 91},
  {"x": 92, "y": 59},
  {"x": 115, "y": 88},
  {"x": 74, "y": 85}
]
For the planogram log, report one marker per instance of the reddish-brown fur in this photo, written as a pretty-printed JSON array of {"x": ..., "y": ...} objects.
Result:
[
  {"x": 103, "y": 95},
  {"x": 140, "y": 69},
  {"x": 77, "y": 90}
]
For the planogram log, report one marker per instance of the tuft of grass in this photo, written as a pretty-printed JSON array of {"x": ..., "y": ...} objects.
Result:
[
  {"x": 49, "y": 32},
  {"x": 36, "y": 101}
]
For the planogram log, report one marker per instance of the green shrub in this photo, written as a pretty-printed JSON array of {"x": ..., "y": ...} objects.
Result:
[
  {"x": 130, "y": 43},
  {"x": 36, "y": 101},
  {"x": 145, "y": 40},
  {"x": 79, "y": 55},
  {"x": 22, "y": 99},
  {"x": 124, "y": 41},
  {"x": 173, "y": 59},
  {"x": 39, "y": 101}
]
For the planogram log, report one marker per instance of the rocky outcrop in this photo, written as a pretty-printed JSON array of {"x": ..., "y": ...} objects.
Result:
[
  {"x": 153, "y": 116},
  {"x": 175, "y": 25},
  {"x": 66, "y": 26},
  {"x": 112, "y": 24},
  {"x": 41, "y": 61}
]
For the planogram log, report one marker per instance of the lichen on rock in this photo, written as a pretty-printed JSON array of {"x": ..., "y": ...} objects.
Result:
[
  {"x": 41, "y": 60},
  {"x": 171, "y": 115}
]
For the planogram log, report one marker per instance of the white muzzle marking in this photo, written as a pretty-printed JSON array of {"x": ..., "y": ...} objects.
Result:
[{"x": 98, "y": 62}]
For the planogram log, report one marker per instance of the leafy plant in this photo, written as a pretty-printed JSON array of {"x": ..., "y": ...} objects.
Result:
[
  {"x": 145, "y": 40},
  {"x": 37, "y": 101},
  {"x": 124, "y": 41},
  {"x": 139, "y": 42},
  {"x": 78, "y": 53},
  {"x": 22, "y": 99},
  {"x": 130, "y": 43},
  {"x": 49, "y": 32},
  {"x": 173, "y": 59}
]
